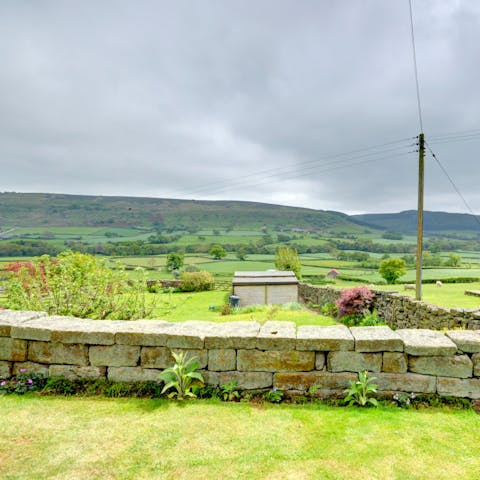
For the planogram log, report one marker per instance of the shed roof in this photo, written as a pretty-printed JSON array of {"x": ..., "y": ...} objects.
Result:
[{"x": 267, "y": 277}]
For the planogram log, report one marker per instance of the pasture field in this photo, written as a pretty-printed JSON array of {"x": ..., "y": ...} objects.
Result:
[{"x": 98, "y": 438}]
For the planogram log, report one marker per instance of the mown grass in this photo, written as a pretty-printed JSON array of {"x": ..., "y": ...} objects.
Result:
[
  {"x": 179, "y": 307},
  {"x": 97, "y": 438}
]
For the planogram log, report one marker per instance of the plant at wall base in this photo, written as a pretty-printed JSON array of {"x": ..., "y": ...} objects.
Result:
[
  {"x": 359, "y": 391},
  {"x": 404, "y": 400},
  {"x": 182, "y": 377},
  {"x": 22, "y": 383},
  {"x": 229, "y": 392},
  {"x": 274, "y": 395},
  {"x": 329, "y": 310}
]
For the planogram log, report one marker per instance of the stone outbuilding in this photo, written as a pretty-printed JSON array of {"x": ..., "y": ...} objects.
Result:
[{"x": 267, "y": 287}]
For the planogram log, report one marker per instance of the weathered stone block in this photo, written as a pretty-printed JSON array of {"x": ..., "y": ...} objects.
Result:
[
  {"x": 73, "y": 372},
  {"x": 133, "y": 374},
  {"x": 5, "y": 369},
  {"x": 143, "y": 332},
  {"x": 394, "y": 362},
  {"x": 114, "y": 355},
  {"x": 354, "y": 362},
  {"x": 245, "y": 380},
  {"x": 305, "y": 380},
  {"x": 222, "y": 359},
  {"x": 459, "y": 366},
  {"x": 233, "y": 335},
  {"x": 58, "y": 353},
  {"x": 161, "y": 357},
  {"x": 376, "y": 339},
  {"x": 277, "y": 335},
  {"x": 29, "y": 367},
  {"x": 423, "y": 342},
  {"x": 13, "y": 349},
  {"x": 332, "y": 338},
  {"x": 275, "y": 361},
  {"x": 189, "y": 335},
  {"x": 476, "y": 364},
  {"x": 9, "y": 318},
  {"x": 156, "y": 357},
  {"x": 467, "y": 341},
  {"x": 74, "y": 330},
  {"x": 319, "y": 361},
  {"x": 457, "y": 387},
  {"x": 35, "y": 329},
  {"x": 405, "y": 382}
]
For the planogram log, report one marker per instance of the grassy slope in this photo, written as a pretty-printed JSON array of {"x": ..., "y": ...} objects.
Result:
[
  {"x": 45, "y": 210},
  {"x": 96, "y": 438}
]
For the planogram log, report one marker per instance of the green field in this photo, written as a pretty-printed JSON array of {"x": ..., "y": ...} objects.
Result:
[{"x": 97, "y": 438}]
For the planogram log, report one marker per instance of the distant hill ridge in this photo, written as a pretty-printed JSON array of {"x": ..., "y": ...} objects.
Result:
[
  {"x": 49, "y": 209},
  {"x": 406, "y": 221}
]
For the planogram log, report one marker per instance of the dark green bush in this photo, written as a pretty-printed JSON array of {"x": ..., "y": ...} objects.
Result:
[{"x": 197, "y": 281}]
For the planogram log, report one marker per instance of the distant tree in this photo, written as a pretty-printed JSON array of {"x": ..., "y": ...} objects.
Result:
[
  {"x": 217, "y": 252},
  {"x": 430, "y": 259},
  {"x": 175, "y": 261},
  {"x": 392, "y": 268},
  {"x": 392, "y": 236},
  {"x": 287, "y": 259},
  {"x": 453, "y": 260},
  {"x": 216, "y": 231},
  {"x": 241, "y": 253}
]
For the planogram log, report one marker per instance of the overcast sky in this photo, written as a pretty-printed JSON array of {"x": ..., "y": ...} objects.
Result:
[{"x": 245, "y": 100}]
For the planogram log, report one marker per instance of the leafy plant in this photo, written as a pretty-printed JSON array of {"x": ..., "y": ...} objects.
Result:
[
  {"x": 197, "y": 281},
  {"x": 329, "y": 310},
  {"x": 76, "y": 284},
  {"x": 274, "y": 395},
  {"x": 229, "y": 392},
  {"x": 360, "y": 390},
  {"x": 217, "y": 252},
  {"x": 286, "y": 258},
  {"x": 22, "y": 383},
  {"x": 354, "y": 301},
  {"x": 392, "y": 268},
  {"x": 371, "y": 319},
  {"x": 403, "y": 399},
  {"x": 182, "y": 376}
]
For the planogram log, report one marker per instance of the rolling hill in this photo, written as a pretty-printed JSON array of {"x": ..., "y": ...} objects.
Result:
[{"x": 55, "y": 210}]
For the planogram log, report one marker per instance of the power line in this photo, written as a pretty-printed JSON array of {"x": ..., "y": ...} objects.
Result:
[
  {"x": 307, "y": 165},
  {"x": 296, "y": 175},
  {"x": 472, "y": 131},
  {"x": 415, "y": 67},
  {"x": 453, "y": 184}
]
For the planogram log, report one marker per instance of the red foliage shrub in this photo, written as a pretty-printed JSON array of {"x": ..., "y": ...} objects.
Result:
[{"x": 354, "y": 301}]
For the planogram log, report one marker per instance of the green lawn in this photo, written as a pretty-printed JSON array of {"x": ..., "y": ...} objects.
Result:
[
  {"x": 97, "y": 438},
  {"x": 179, "y": 307}
]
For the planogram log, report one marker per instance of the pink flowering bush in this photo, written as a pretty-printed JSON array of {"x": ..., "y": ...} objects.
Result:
[{"x": 354, "y": 303}]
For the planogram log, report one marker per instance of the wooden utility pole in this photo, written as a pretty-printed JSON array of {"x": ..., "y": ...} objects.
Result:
[{"x": 421, "y": 155}]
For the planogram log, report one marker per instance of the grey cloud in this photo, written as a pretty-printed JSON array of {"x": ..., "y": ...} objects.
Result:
[{"x": 237, "y": 100}]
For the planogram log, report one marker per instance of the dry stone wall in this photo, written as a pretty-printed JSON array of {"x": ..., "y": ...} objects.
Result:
[
  {"x": 276, "y": 354},
  {"x": 401, "y": 311}
]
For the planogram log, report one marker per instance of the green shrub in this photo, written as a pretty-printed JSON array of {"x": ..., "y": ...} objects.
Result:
[
  {"x": 359, "y": 392},
  {"x": 197, "y": 281},
  {"x": 329, "y": 310},
  {"x": 79, "y": 285},
  {"x": 182, "y": 377}
]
